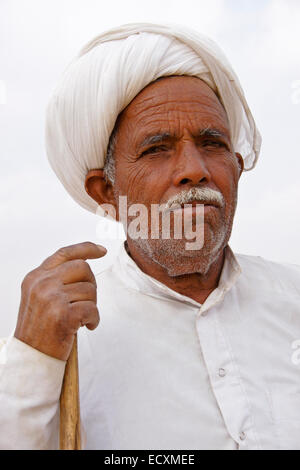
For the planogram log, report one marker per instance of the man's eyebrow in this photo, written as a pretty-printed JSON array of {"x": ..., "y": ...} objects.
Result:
[
  {"x": 161, "y": 137},
  {"x": 155, "y": 139},
  {"x": 212, "y": 132}
]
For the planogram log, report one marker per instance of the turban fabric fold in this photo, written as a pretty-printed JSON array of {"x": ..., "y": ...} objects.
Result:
[{"x": 106, "y": 76}]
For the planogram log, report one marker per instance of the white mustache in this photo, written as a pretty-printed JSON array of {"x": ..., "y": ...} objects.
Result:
[{"x": 203, "y": 195}]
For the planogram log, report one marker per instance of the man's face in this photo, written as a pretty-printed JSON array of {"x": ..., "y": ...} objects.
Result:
[{"x": 172, "y": 137}]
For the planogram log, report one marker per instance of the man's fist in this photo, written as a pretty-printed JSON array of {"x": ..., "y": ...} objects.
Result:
[{"x": 57, "y": 298}]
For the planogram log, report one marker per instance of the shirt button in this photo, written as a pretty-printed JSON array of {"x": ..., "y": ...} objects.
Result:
[
  {"x": 222, "y": 372},
  {"x": 242, "y": 436}
]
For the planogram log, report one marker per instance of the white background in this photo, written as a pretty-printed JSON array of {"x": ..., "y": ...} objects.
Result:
[{"x": 38, "y": 38}]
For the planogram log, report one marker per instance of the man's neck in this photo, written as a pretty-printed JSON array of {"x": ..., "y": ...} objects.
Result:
[{"x": 196, "y": 286}]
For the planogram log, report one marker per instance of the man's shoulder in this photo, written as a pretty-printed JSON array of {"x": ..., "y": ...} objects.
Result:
[
  {"x": 268, "y": 272},
  {"x": 3, "y": 342},
  {"x": 265, "y": 263}
]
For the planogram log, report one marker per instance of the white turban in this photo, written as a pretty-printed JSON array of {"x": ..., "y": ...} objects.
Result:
[{"x": 106, "y": 76}]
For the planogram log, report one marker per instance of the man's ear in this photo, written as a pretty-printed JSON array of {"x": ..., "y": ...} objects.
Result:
[
  {"x": 98, "y": 188},
  {"x": 240, "y": 162}
]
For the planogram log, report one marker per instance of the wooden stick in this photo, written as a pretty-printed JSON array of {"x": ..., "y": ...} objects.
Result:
[{"x": 69, "y": 404}]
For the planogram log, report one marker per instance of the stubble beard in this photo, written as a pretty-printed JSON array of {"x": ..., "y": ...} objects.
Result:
[{"x": 172, "y": 255}]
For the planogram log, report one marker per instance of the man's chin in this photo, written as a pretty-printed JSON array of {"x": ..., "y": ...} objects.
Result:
[
  {"x": 199, "y": 263},
  {"x": 176, "y": 259}
]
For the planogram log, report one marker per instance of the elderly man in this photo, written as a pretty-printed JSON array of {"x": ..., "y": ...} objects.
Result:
[{"x": 196, "y": 348}]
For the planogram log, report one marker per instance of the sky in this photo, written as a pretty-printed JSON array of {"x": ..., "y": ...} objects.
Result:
[{"x": 261, "y": 38}]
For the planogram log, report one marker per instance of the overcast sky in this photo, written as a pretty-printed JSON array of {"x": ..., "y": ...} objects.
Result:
[{"x": 39, "y": 38}]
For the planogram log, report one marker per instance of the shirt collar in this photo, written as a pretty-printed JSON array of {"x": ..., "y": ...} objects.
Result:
[{"x": 136, "y": 279}]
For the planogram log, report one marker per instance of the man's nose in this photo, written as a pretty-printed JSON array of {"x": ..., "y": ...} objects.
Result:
[{"x": 190, "y": 167}]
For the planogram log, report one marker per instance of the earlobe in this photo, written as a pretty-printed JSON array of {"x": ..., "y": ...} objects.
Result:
[{"x": 98, "y": 188}]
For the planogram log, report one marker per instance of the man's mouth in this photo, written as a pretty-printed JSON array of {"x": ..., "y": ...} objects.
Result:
[
  {"x": 194, "y": 205},
  {"x": 202, "y": 203}
]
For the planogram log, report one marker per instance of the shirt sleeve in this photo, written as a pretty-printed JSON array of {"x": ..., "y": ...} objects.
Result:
[{"x": 30, "y": 386}]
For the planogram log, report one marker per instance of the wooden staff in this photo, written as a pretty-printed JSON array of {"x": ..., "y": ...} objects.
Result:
[{"x": 69, "y": 404}]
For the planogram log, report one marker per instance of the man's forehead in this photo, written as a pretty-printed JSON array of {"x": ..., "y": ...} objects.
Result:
[
  {"x": 165, "y": 89},
  {"x": 176, "y": 96}
]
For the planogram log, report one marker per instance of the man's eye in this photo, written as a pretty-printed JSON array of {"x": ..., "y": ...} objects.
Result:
[
  {"x": 213, "y": 143},
  {"x": 156, "y": 149}
]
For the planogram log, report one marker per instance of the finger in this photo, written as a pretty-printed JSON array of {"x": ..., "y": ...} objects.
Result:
[
  {"x": 85, "y": 313},
  {"x": 85, "y": 250},
  {"x": 76, "y": 270},
  {"x": 81, "y": 291}
]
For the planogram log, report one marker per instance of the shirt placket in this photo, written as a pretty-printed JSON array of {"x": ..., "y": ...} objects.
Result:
[{"x": 224, "y": 376}]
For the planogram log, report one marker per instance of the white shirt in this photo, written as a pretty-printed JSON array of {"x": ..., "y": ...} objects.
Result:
[{"x": 164, "y": 372}]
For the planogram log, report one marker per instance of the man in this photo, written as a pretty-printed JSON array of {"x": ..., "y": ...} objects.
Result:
[{"x": 195, "y": 347}]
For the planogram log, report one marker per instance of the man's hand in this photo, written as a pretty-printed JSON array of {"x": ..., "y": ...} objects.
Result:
[{"x": 57, "y": 298}]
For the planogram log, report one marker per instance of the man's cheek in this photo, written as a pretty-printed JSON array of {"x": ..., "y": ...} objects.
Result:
[{"x": 137, "y": 185}]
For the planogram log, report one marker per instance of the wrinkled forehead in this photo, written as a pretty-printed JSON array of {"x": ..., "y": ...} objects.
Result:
[{"x": 177, "y": 99}]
